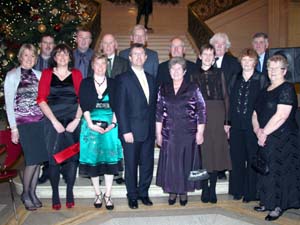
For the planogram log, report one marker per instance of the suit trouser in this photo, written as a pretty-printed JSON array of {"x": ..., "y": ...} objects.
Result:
[
  {"x": 243, "y": 179},
  {"x": 138, "y": 155}
]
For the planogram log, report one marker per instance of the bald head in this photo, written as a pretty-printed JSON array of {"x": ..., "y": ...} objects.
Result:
[
  {"x": 108, "y": 45},
  {"x": 177, "y": 48}
]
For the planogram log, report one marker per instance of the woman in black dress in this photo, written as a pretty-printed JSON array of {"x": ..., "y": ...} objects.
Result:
[
  {"x": 58, "y": 99},
  {"x": 245, "y": 88},
  {"x": 180, "y": 122},
  {"x": 275, "y": 127},
  {"x": 215, "y": 149}
]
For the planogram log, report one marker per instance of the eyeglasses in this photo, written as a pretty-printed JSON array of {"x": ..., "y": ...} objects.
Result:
[{"x": 275, "y": 68}]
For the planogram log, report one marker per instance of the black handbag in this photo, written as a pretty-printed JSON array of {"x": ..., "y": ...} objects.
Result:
[
  {"x": 260, "y": 164},
  {"x": 197, "y": 174},
  {"x": 100, "y": 123}
]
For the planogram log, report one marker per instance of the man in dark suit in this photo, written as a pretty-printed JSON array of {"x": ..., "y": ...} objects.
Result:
[
  {"x": 116, "y": 64},
  {"x": 135, "y": 110},
  {"x": 139, "y": 35},
  {"x": 260, "y": 43},
  {"x": 177, "y": 49}
]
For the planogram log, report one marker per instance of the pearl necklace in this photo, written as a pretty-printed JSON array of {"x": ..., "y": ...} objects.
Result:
[{"x": 99, "y": 85}]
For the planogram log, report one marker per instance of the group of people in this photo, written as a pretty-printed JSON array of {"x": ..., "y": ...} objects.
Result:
[{"x": 217, "y": 114}]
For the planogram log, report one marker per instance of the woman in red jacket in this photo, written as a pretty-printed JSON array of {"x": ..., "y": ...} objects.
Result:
[{"x": 58, "y": 100}]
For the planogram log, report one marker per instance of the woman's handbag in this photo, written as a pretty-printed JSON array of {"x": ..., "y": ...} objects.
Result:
[
  {"x": 197, "y": 174},
  {"x": 66, "y": 153},
  {"x": 260, "y": 164}
]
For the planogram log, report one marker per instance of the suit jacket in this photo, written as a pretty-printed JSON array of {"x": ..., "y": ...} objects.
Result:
[
  {"x": 120, "y": 65},
  {"x": 163, "y": 74},
  {"x": 133, "y": 112},
  {"x": 151, "y": 64}
]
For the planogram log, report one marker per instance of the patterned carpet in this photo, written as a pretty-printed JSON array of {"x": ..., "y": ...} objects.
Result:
[{"x": 226, "y": 212}]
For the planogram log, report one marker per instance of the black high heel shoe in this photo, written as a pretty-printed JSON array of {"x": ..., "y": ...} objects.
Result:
[
  {"x": 172, "y": 199},
  {"x": 107, "y": 200},
  {"x": 98, "y": 201},
  {"x": 183, "y": 200},
  {"x": 29, "y": 205},
  {"x": 36, "y": 201}
]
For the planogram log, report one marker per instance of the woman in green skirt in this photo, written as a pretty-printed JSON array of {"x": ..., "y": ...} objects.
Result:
[{"x": 100, "y": 147}]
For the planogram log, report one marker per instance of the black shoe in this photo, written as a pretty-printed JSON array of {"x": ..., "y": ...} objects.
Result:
[
  {"x": 260, "y": 208},
  {"x": 109, "y": 205},
  {"x": 246, "y": 200},
  {"x": 213, "y": 198},
  {"x": 133, "y": 203},
  {"x": 98, "y": 201},
  {"x": 183, "y": 200},
  {"x": 120, "y": 180},
  {"x": 171, "y": 200},
  {"x": 146, "y": 201},
  {"x": 237, "y": 197},
  {"x": 222, "y": 175},
  {"x": 278, "y": 213},
  {"x": 205, "y": 195},
  {"x": 28, "y": 203},
  {"x": 43, "y": 179}
]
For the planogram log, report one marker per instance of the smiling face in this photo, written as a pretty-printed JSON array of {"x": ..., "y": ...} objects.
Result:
[
  {"x": 139, "y": 36},
  {"x": 276, "y": 71},
  {"x": 27, "y": 59},
  {"x": 62, "y": 58},
  {"x": 108, "y": 45},
  {"x": 177, "y": 48},
  {"x": 99, "y": 66},
  {"x": 83, "y": 40},
  {"x": 248, "y": 64},
  {"x": 137, "y": 57},
  {"x": 207, "y": 57},
  {"x": 177, "y": 72},
  {"x": 220, "y": 46},
  {"x": 47, "y": 45},
  {"x": 260, "y": 45}
]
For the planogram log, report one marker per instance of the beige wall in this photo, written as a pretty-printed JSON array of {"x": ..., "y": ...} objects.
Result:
[
  {"x": 241, "y": 22},
  {"x": 294, "y": 24}
]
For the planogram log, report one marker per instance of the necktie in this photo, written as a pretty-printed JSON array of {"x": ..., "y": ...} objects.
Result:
[
  {"x": 258, "y": 66},
  {"x": 109, "y": 67},
  {"x": 81, "y": 64}
]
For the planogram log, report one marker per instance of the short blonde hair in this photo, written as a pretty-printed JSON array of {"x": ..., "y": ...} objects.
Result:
[
  {"x": 29, "y": 47},
  {"x": 278, "y": 58}
]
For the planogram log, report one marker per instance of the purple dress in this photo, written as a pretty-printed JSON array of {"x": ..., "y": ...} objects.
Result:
[{"x": 179, "y": 114}]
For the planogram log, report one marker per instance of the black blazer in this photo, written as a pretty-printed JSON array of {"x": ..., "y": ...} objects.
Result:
[
  {"x": 119, "y": 66},
  {"x": 133, "y": 112},
  {"x": 88, "y": 96},
  {"x": 163, "y": 74}
]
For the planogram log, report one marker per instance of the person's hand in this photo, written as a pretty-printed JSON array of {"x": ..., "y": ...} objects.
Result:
[
  {"x": 199, "y": 138},
  {"x": 128, "y": 137},
  {"x": 262, "y": 137},
  {"x": 96, "y": 128},
  {"x": 15, "y": 136},
  {"x": 227, "y": 130},
  {"x": 72, "y": 125},
  {"x": 58, "y": 127},
  {"x": 110, "y": 126},
  {"x": 159, "y": 140}
]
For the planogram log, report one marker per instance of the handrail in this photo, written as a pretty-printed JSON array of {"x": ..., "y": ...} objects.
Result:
[{"x": 202, "y": 10}]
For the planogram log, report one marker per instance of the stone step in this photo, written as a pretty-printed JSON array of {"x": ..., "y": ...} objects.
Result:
[{"x": 84, "y": 189}]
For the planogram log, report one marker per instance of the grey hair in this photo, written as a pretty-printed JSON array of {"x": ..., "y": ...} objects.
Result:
[
  {"x": 218, "y": 36},
  {"x": 177, "y": 60}
]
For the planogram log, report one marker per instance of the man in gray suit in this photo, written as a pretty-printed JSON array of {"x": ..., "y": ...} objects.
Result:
[
  {"x": 116, "y": 64},
  {"x": 139, "y": 36}
]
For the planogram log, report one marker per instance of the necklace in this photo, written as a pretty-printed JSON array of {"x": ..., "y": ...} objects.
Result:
[{"x": 99, "y": 85}]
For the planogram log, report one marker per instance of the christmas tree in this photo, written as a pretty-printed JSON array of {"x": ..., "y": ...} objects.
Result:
[{"x": 25, "y": 21}]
